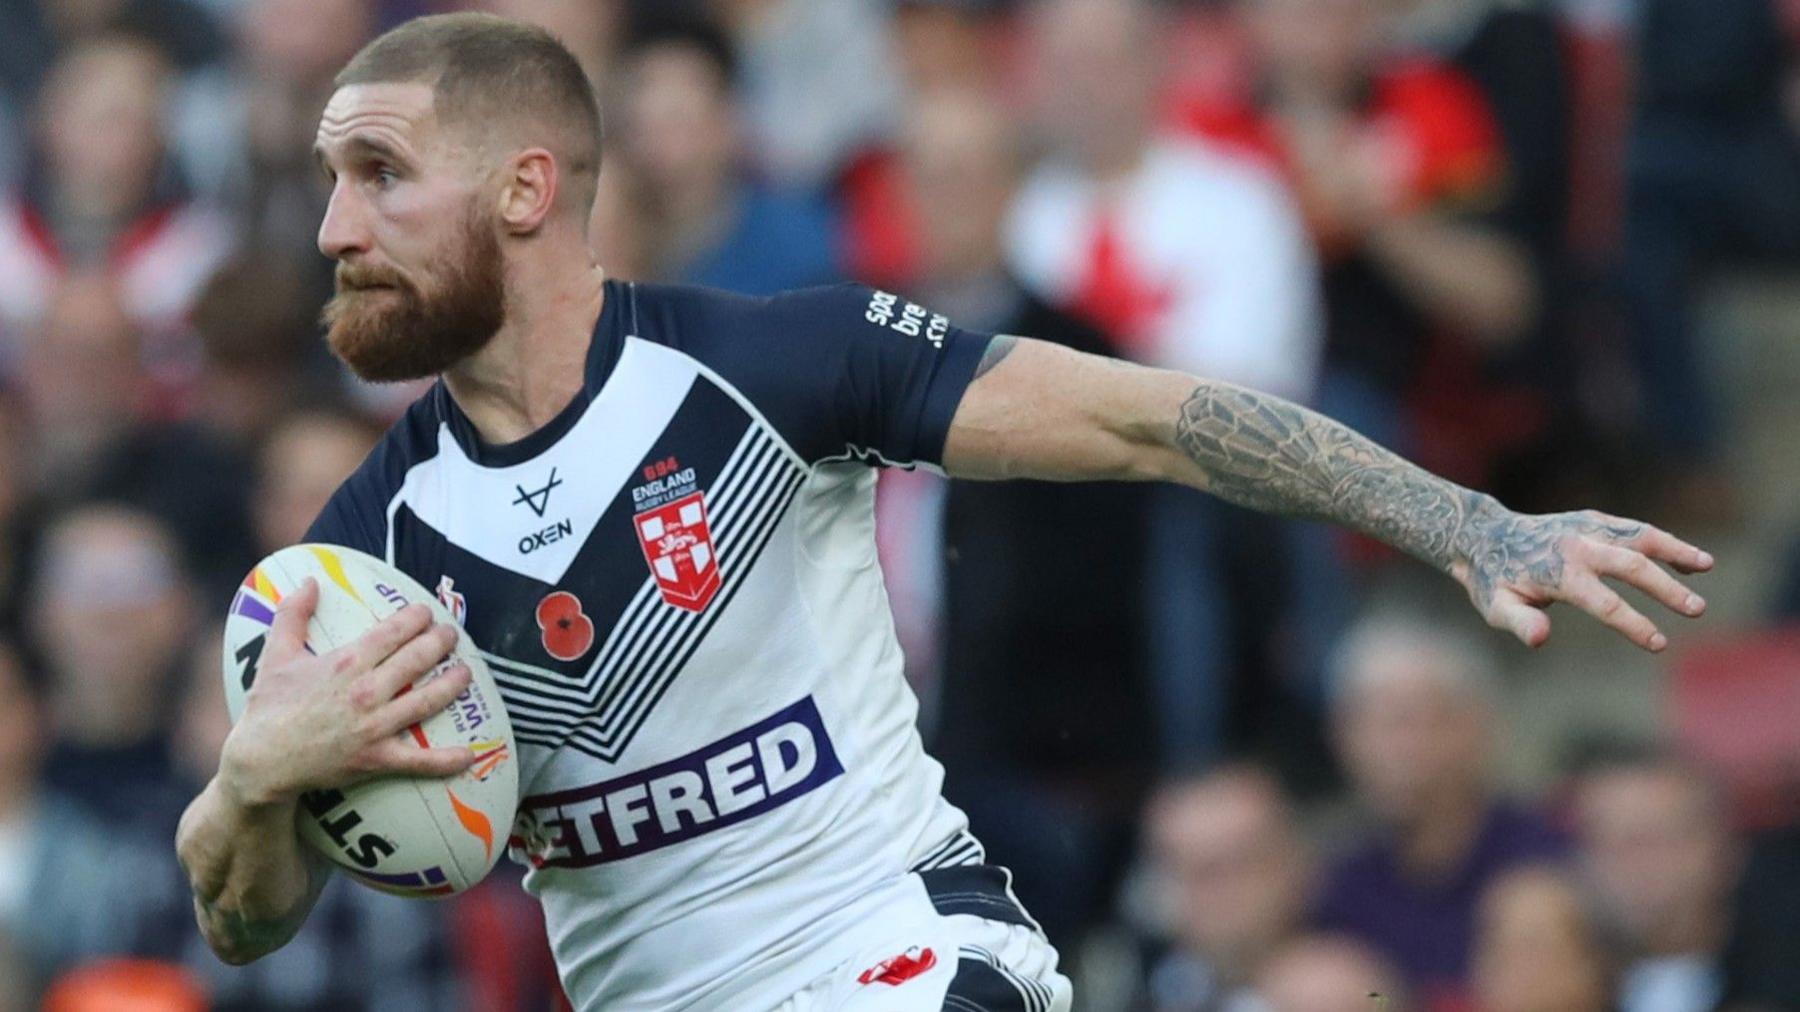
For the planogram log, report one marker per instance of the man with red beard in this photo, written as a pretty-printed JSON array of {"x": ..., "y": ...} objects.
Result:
[{"x": 652, "y": 509}]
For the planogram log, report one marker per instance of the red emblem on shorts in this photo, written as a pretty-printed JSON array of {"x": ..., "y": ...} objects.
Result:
[
  {"x": 899, "y": 969},
  {"x": 568, "y": 632},
  {"x": 678, "y": 545}
]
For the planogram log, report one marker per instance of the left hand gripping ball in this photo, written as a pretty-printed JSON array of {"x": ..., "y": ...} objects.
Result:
[{"x": 410, "y": 836}]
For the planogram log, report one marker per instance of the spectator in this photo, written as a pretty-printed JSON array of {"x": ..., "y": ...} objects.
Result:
[
  {"x": 277, "y": 83},
  {"x": 1042, "y": 700},
  {"x": 591, "y": 30},
  {"x": 1189, "y": 259},
  {"x": 1513, "y": 53},
  {"x": 1653, "y": 832},
  {"x": 260, "y": 352},
  {"x": 101, "y": 195},
  {"x": 1516, "y": 56},
  {"x": 304, "y": 460},
  {"x": 38, "y": 31},
  {"x": 818, "y": 82},
  {"x": 715, "y": 225},
  {"x": 1712, "y": 175},
  {"x": 1416, "y": 727},
  {"x": 112, "y": 610},
  {"x": 1394, "y": 161},
  {"x": 81, "y": 382},
  {"x": 1239, "y": 875},
  {"x": 1761, "y": 974},
  {"x": 1538, "y": 949},
  {"x": 938, "y": 45},
  {"x": 87, "y": 397},
  {"x": 1322, "y": 973},
  {"x": 64, "y": 877},
  {"x": 947, "y": 44}
]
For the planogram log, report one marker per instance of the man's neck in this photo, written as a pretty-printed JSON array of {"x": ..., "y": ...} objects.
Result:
[
  {"x": 535, "y": 365},
  {"x": 1437, "y": 846}
]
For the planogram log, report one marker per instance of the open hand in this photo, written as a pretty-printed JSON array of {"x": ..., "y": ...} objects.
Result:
[
  {"x": 330, "y": 720},
  {"x": 1520, "y": 564}
]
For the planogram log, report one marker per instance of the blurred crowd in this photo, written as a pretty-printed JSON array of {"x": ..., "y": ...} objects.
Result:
[{"x": 1478, "y": 230}]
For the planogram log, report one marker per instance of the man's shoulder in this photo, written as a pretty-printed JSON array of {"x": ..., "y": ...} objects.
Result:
[
  {"x": 657, "y": 302},
  {"x": 729, "y": 331},
  {"x": 410, "y": 440},
  {"x": 356, "y": 514}
]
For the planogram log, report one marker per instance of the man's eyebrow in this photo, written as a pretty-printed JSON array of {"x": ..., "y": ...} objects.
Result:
[{"x": 364, "y": 147}]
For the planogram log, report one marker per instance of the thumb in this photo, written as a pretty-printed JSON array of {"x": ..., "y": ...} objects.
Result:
[
  {"x": 1526, "y": 622},
  {"x": 287, "y": 635}
]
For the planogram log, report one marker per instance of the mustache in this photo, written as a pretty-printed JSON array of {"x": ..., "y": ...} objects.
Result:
[{"x": 351, "y": 278}]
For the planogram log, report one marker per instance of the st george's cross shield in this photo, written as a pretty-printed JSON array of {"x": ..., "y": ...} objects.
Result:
[{"x": 678, "y": 545}]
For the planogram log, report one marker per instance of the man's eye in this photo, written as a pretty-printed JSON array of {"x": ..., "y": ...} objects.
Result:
[{"x": 385, "y": 177}]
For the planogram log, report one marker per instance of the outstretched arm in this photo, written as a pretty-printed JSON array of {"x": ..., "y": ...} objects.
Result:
[{"x": 1037, "y": 410}]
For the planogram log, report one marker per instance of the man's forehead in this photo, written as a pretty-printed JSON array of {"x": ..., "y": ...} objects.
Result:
[{"x": 390, "y": 111}]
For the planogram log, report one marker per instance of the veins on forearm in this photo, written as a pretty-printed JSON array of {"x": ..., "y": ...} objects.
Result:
[{"x": 1270, "y": 454}]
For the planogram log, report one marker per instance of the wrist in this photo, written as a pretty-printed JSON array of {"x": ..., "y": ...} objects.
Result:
[
  {"x": 244, "y": 783},
  {"x": 1482, "y": 516}
]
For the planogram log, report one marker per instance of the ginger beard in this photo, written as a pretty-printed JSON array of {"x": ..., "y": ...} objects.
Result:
[{"x": 386, "y": 329}]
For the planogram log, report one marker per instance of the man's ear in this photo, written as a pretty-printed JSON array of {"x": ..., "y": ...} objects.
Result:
[{"x": 528, "y": 191}]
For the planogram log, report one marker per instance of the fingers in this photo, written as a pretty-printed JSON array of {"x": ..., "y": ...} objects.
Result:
[
  {"x": 1525, "y": 621},
  {"x": 428, "y": 699},
  {"x": 376, "y": 645},
  {"x": 1647, "y": 576},
  {"x": 1605, "y": 604},
  {"x": 398, "y": 755},
  {"x": 403, "y": 666},
  {"x": 287, "y": 634},
  {"x": 1662, "y": 546}
]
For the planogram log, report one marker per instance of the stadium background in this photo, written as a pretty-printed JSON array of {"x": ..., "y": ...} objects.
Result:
[{"x": 1545, "y": 248}]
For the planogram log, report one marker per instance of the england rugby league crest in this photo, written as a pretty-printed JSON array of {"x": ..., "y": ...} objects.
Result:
[{"x": 673, "y": 530}]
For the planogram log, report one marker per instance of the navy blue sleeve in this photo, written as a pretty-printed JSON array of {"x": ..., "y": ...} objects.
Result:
[
  {"x": 841, "y": 372},
  {"x": 352, "y": 517}
]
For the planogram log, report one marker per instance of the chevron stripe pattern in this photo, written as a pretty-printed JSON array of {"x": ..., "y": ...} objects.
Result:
[{"x": 600, "y": 713}]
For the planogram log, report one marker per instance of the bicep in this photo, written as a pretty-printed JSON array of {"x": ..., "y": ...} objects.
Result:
[{"x": 1051, "y": 413}]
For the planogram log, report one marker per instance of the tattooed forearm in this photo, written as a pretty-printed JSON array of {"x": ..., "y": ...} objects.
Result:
[
  {"x": 239, "y": 939},
  {"x": 998, "y": 348},
  {"x": 1269, "y": 454}
]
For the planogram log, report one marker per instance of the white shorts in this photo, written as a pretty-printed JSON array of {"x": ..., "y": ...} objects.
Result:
[{"x": 969, "y": 947}]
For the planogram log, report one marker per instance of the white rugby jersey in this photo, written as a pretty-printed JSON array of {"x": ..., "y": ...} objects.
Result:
[{"x": 675, "y": 584}]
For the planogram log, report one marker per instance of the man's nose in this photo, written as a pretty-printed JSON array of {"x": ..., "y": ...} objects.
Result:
[{"x": 344, "y": 230}]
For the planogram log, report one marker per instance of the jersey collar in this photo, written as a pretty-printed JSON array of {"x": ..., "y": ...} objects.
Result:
[{"x": 602, "y": 354}]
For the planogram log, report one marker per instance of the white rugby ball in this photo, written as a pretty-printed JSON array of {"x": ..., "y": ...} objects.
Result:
[{"x": 410, "y": 836}]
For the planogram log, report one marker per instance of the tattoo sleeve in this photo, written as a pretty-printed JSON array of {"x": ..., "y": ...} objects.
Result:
[{"x": 1270, "y": 454}]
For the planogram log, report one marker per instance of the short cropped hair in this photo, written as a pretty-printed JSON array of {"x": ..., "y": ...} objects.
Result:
[{"x": 488, "y": 71}]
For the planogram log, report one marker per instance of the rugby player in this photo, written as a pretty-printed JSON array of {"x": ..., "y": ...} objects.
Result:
[{"x": 652, "y": 509}]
